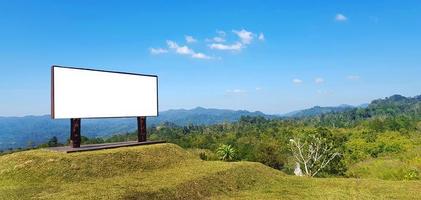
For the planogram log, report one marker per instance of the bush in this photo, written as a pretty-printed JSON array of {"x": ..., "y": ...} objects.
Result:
[{"x": 226, "y": 152}]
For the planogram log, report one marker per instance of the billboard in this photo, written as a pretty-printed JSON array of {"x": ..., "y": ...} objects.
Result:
[{"x": 88, "y": 93}]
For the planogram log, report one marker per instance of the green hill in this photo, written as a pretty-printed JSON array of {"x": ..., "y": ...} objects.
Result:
[{"x": 166, "y": 171}]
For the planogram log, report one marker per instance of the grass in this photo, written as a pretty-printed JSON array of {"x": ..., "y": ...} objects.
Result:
[{"x": 166, "y": 171}]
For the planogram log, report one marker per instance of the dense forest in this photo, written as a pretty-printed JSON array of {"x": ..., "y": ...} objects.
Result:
[{"x": 382, "y": 140}]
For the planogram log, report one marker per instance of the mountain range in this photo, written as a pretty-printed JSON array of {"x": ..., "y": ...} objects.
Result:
[
  {"x": 32, "y": 130},
  {"x": 318, "y": 110},
  {"x": 27, "y": 131}
]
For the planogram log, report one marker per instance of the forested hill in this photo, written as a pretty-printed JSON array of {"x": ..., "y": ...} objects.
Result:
[
  {"x": 395, "y": 105},
  {"x": 397, "y": 108},
  {"x": 318, "y": 110}
]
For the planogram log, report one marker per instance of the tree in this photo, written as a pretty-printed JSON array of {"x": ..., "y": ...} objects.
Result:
[
  {"x": 53, "y": 142},
  {"x": 313, "y": 152},
  {"x": 225, "y": 152}
]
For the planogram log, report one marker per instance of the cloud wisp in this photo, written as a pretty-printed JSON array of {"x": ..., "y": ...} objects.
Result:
[
  {"x": 218, "y": 39},
  {"x": 235, "y": 92},
  {"x": 319, "y": 80},
  {"x": 340, "y": 17},
  {"x": 218, "y": 42},
  {"x": 234, "y": 47},
  {"x": 261, "y": 37},
  {"x": 190, "y": 39},
  {"x": 185, "y": 50},
  {"x": 244, "y": 38},
  {"x": 297, "y": 81},
  {"x": 156, "y": 51}
]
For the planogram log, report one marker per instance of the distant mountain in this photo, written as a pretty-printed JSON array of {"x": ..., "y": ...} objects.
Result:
[
  {"x": 318, "y": 110},
  {"x": 203, "y": 116},
  {"x": 364, "y": 105},
  {"x": 32, "y": 130},
  {"x": 404, "y": 109}
]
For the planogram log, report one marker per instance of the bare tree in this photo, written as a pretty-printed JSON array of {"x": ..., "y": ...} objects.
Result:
[{"x": 313, "y": 153}]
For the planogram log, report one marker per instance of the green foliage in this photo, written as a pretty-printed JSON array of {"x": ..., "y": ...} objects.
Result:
[
  {"x": 314, "y": 150},
  {"x": 53, "y": 142},
  {"x": 392, "y": 142},
  {"x": 226, "y": 152},
  {"x": 270, "y": 152},
  {"x": 203, "y": 156},
  {"x": 360, "y": 147},
  {"x": 384, "y": 168},
  {"x": 267, "y": 141}
]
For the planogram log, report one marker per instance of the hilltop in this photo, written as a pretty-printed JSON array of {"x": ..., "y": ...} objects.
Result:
[{"x": 166, "y": 171}]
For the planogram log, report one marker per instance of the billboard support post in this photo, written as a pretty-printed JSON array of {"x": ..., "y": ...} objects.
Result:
[
  {"x": 75, "y": 132},
  {"x": 141, "y": 129}
]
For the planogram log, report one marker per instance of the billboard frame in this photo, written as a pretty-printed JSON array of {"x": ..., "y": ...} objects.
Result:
[
  {"x": 99, "y": 70},
  {"x": 75, "y": 123}
]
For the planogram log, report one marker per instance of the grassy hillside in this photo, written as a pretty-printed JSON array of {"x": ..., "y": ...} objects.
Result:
[{"x": 166, "y": 171}]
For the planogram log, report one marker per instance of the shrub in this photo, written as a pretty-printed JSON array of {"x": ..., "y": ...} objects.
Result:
[
  {"x": 203, "y": 156},
  {"x": 225, "y": 152}
]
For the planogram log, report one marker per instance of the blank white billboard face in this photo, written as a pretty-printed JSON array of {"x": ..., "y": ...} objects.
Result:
[{"x": 85, "y": 93}]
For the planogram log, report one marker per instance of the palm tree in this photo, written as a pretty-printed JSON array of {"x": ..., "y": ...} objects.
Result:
[{"x": 225, "y": 152}]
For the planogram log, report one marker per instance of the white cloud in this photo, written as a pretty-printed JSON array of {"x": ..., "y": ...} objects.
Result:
[
  {"x": 219, "y": 39},
  {"x": 185, "y": 50},
  {"x": 219, "y": 42},
  {"x": 245, "y": 36},
  {"x": 190, "y": 39},
  {"x": 353, "y": 77},
  {"x": 200, "y": 56},
  {"x": 297, "y": 81},
  {"x": 234, "y": 47},
  {"x": 259, "y": 88},
  {"x": 157, "y": 51},
  {"x": 319, "y": 80},
  {"x": 261, "y": 37},
  {"x": 340, "y": 17}
]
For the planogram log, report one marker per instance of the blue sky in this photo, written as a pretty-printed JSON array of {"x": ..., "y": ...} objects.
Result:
[{"x": 272, "y": 56}]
